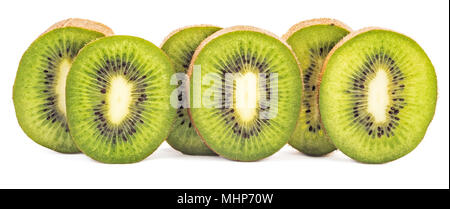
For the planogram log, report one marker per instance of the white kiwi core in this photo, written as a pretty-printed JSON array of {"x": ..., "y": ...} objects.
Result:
[
  {"x": 60, "y": 88},
  {"x": 119, "y": 99},
  {"x": 246, "y": 96},
  {"x": 378, "y": 96}
]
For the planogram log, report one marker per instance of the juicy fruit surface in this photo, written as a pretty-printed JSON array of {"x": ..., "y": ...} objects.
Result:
[
  {"x": 118, "y": 99},
  {"x": 39, "y": 88},
  {"x": 311, "y": 45},
  {"x": 377, "y": 96},
  {"x": 239, "y": 131},
  {"x": 180, "y": 47}
]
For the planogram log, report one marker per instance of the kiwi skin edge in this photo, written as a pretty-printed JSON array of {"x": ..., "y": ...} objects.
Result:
[
  {"x": 217, "y": 34},
  {"x": 349, "y": 37},
  {"x": 81, "y": 23},
  {"x": 312, "y": 22},
  {"x": 305, "y": 24},
  {"x": 183, "y": 28}
]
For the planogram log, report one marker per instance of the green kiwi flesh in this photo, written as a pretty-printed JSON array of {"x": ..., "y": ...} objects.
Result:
[
  {"x": 118, "y": 99},
  {"x": 39, "y": 88},
  {"x": 311, "y": 44},
  {"x": 377, "y": 95},
  {"x": 180, "y": 46},
  {"x": 232, "y": 132}
]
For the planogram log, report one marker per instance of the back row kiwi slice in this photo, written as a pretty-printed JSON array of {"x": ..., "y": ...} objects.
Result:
[
  {"x": 118, "y": 99},
  {"x": 311, "y": 41},
  {"x": 39, "y": 88},
  {"x": 258, "y": 109},
  {"x": 180, "y": 45},
  {"x": 377, "y": 95}
]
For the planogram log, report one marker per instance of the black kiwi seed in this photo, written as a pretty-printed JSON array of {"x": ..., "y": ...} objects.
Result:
[
  {"x": 318, "y": 52},
  {"x": 118, "y": 66},
  {"x": 235, "y": 64},
  {"x": 50, "y": 62},
  {"x": 358, "y": 88}
]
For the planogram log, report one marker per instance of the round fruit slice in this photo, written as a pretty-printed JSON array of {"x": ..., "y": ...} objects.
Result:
[
  {"x": 246, "y": 85},
  {"x": 118, "y": 99},
  {"x": 39, "y": 88},
  {"x": 180, "y": 45},
  {"x": 377, "y": 95},
  {"x": 311, "y": 41}
]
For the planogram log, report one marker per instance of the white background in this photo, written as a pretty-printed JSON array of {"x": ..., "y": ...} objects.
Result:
[{"x": 25, "y": 164}]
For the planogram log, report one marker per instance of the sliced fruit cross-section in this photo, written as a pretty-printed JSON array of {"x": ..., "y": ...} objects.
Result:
[
  {"x": 39, "y": 88},
  {"x": 377, "y": 95},
  {"x": 237, "y": 63},
  {"x": 118, "y": 99},
  {"x": 311, "y": 41},
  {"x": 180, "y": 45}
]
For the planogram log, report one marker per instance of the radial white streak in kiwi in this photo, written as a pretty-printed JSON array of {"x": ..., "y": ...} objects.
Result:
[
  {"x": 246, "y": 96},
  {"x": 378, "y": 96},
  {"x": 60, "y": 88},
  {"x": 119, "y": 99}
]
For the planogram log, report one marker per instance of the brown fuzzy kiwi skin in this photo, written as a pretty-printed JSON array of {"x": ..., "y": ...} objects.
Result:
[
  {"x": 342, "y": 42},
  {"x": 82, "y": 23},
  {"x": 212, "y": 37},
  {"x": 313, "y": 22},
  {"x": 184, "y": 28}
]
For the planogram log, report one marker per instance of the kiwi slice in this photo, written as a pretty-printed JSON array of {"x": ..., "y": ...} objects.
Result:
[
  {"x": 311, "y": 41},
  {"x": 258, "y": 109},
  {"x": 118, "y": 99},
  {"x": 377, "y": 95},
  {"x": 180, "y": 45},
  {"x": 39, "y": 88}
]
